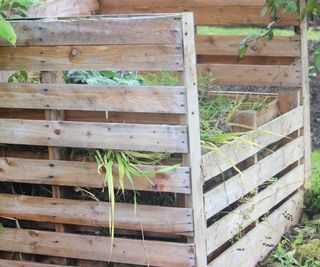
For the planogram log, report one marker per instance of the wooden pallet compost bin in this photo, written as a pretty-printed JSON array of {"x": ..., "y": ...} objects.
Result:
[
  {"x": 56, "y": 115},
  {"x": 223, "y": 216},
  {"x": 237, "y": 204}
]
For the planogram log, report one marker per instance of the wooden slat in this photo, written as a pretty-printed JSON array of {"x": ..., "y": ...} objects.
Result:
[
  {"x": 234, "y": 188},
  {"x": 161, "y": 29},
  {"x": 143, "y": 252},
  {"x": 11, "y": 263},
  {"x": 218, "y": 45},
  {"x": 305, "y": 92},
  {"x": 263, "y": 238},
  {"x": 159, "y": 138},
  {"x": 146, "y": 4},
  {"x": 237, "y": 220},
  {"x": 205, "y": 12},
  {"x": 213, "y": 164},
  {"x": 64, "y": 8},
  {"x": 84, "y": 174},
  {"x": 109, "y": 57},
  {"x": 92, "y": 213},
  {"x": 252, "y": 75},
  {"x": 96, "y": 98},
  {"x": 55, "y": 153},
  {"x": 193, "y": 159}
]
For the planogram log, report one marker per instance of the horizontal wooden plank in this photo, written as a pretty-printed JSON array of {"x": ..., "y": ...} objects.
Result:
[
  {"x": 84, "y": 174},
  {"x": 157, "y": 138},
  {"x": 146, "y": 4},
  {"x": 11, "y": 263},
  {"x": 234, "y": 188},
  {"x": 264, "y": 237},
  {"x": 237, "y": 220},
  {"x": 106, "y": 57},
  {"x": 218, "y": 45},
  {"x": 252, "y": 75},
  {"x": 62, "y": 8},
  {"x": 206, "y": 12},
  {"x": 159, "y": 29},
  {"x": 92, "y": 213},
  {"x": 88, "y": 247},
  {"x": 247, "y": 60},
  {"x": 213, "y": 164},
  {"x": 94, "y": 98}
]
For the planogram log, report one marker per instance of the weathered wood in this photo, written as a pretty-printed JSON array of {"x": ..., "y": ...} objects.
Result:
[
  {"x": 145, "y": 4},
  {"x": 213, "y": 164},
  {"x": 160, "y": 29},
  {"x": 205, "y": 12},
  {"x": 305, "y": 93},
  {"x": 289, "y": 100},
  {"x": 11, "y": 263},
  {"x": 64, "y": 8},
  {"x": 87, "y": 97},
  {"x": 160, "y": 138},
  {"x": 110, "y": 57},
  {"x": 255, "y": 75},
  {"x": 234, "y": 188},
  {"x": 229, "y": 45},
  {"x": 92, "y": 213},
  {"x": 55, "y": 153},
  {"x": 193, "y": 159},
  {"x": 84, "y": 174},
  {"x": 251, "y": 96},
  {"x": 89, "y": 247},
  {"x": 264, "y": 237},
  {"x": 237, "y": 220}
]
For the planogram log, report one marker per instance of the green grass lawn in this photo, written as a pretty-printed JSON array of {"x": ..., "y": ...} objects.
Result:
[{"x": 206, "y": 30}]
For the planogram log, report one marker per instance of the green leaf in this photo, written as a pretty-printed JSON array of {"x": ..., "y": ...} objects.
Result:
[
  {"x": 291, "y": 7},
  {"x": 7, "y": 32},
  {"x": 264, "y": 10}
]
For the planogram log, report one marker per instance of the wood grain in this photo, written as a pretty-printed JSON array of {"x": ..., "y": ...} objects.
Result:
[
  {"x": 252, "y": 75},
  {"x": 84, "y": 174},
  {"x": 95, "y": 98},
  {"x": 237, "y": 220},
  {"x": 89, "y": 247},
  {"x": 234, "y": 188},
  {"x": 264, "y": 237},
  {"x": 99, "y": 30},
  {"x": 205, "y": 12},
  {"x": 160, "y": 138},
  {"x": 213, "y": 164},
  {"x": 105, "y": 57},
  {"x": 92, "y": 213},
  {"x": 212, "y": 45}
]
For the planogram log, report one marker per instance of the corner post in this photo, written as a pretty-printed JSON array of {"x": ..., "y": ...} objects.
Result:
[
  {"x": 305, "y": 93},
  {"x": 193, "y": 158}
]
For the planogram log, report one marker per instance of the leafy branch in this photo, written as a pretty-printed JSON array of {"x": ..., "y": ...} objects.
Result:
[{"x": 276, "y": 10}]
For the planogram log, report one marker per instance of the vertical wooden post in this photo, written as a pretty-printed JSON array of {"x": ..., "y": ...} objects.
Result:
[
  {"x": 193, "y": 158},
  {"x": 55, "y": 153},
  {"x": 305, "y": 93}
]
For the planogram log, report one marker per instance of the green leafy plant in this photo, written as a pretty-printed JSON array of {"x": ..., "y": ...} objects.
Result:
[
  {"x": 127, "y": 164},
  {"x": 276, "y": 9},
  {"x": 102, "y": 77},
  {"x": 12, "y": 9}
]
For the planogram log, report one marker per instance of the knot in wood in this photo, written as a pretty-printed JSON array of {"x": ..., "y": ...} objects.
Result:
[
  {"x": 255, "y": 47},
  {"x": 75, "y": 52}
]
